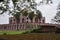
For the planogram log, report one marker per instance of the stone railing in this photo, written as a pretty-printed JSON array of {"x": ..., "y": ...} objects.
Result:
[{"x": 22, "y": 26}]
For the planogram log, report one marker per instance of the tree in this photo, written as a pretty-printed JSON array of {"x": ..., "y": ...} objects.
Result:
[
  {"x": 19, "y": 8},
  {"x": 17, "y": 17},
  {"x": 57, "y": 16},
  {"x": 1, "y": 0},
  {"x": 14, "y": 1},
  {"x": 25, "y": 12},
  {"x": 46, "y": 1},
  {"x": 38, "y": 14},
  {"x": 18, "y": 5},
  {"x": 31, "y": 16},
  {"x": 4, "y": 6}
]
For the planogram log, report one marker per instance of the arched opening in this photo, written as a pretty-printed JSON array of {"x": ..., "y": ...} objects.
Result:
[
  {"x": 36, "y": 20},
  {"x": 23, "y": 20}
]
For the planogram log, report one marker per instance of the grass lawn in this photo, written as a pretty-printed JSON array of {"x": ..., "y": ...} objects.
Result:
[
  {"x": 17, "y": 35},
  {"x": 32, "y": 36},
  {"x": 11, "y": 32}
]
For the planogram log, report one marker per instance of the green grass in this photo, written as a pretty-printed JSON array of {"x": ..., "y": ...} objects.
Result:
[
  {"x": 32, "y": 36},
  {"x": 12, "y": 32}
]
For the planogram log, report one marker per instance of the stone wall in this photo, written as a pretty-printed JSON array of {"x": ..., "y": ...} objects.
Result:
[
  {"x": 28, "y": 26},
  {"x": 22, "y": 26},
  {"x": 24, "y": 19}
]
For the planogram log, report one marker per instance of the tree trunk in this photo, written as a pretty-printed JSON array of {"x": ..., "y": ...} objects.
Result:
[
  {"x": 31, "y": 21},
  {"x": 17, "y": 26},
  {"x": 18, "y": 21}
]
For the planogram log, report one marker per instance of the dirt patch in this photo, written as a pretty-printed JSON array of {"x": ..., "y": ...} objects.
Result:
[{"x": 34, "y": 36}]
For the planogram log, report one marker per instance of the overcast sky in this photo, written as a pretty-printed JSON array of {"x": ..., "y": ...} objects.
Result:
[{"x": 48, "y": 11}]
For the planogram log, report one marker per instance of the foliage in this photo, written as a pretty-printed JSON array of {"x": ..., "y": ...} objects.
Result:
[
  {"x": 31, "y": 15},
  {"x": 22, "y": 7},
  {"x": 4, "y": 6},
  {"x": 38, "y": 30},
  {"x": 17, "y": 16},
  {"x": 19, "y": 5},
  {"x": 24, "y": 12},
  {"x": 57, "y": 30},
  {"x": 1, "y": 0},
  {"x": 57, "y": 16},
  {"x": 39, "y": 14},
  {"x": 14, "y": 1},
  {"x": 29, "y": 26},
  {"x": 4, "y": 33},
  {"x": 49, "y": 1},
  {"x": 33, "y": 30},
  {"x": 27, "y": 32}
]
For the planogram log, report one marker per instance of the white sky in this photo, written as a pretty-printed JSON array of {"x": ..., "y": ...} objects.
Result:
[{"x": 48, "y": 11}]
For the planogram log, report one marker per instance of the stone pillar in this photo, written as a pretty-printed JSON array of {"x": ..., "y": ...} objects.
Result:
[
  {"x": 24, "y": 27},
  {"x": 43, "y": 20},
  {"x": 33, "y": 19},
  {"x": 16, "y": 26},
  {"x": 21, "y": 19},
  {"x": 11, "y": 27},
  {"x": 7, "y": 27}
]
